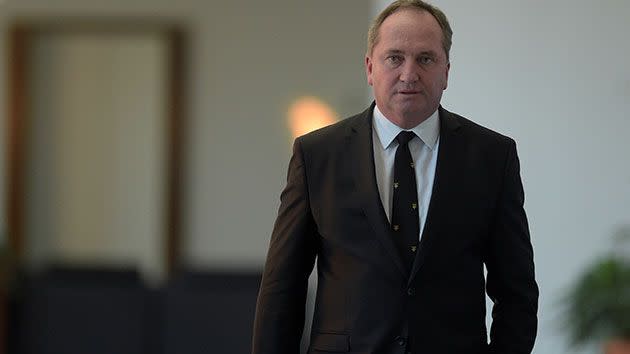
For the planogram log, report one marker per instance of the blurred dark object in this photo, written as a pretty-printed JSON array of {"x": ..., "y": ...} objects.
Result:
[
  {"x": 599, "y": 302},
  {"x": 78, "y": 311},
  {"x": 209, "y": 313},
  {"x": 103, "y": 311},
  {"x": 7, "y": 285}
]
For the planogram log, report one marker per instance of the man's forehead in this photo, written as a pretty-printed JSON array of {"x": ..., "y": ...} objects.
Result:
[
  {"x": 410, "y": 40},
  {"x": 408, "y": 29}
]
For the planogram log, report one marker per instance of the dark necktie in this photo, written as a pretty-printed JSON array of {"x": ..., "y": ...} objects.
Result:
[{"x": 405, "y": 219}]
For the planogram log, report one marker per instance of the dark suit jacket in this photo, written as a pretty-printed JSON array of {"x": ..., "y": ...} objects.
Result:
[{"x": 367, "y": 302}]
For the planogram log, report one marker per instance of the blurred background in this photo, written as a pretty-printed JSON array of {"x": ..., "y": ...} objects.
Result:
[{"x": 145, "y": 145}]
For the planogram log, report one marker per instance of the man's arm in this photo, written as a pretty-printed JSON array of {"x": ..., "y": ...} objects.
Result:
[
  {"x": 281, "y": 302},
  {"x": 511, "y": 284}
]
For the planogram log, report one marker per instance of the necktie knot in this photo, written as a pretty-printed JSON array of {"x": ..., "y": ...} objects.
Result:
[{"x": 404, "y": 137}]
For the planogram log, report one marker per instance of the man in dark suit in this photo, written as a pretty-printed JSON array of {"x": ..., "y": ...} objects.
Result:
[{"x": 402, "y": 205}]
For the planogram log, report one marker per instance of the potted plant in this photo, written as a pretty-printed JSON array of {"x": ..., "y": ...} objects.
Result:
[{"x": 598, "y": 305}]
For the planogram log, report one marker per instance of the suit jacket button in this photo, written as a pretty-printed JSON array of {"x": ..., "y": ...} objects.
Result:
[
  {"x": 400, "y": 340},
  {"x": 411, "y": 291}
]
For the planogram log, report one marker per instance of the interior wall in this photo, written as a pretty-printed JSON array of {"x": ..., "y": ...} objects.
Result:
[
  {"x": 247, "y": 61},
  {"x": 553, "y": 75},
  {"x": 257, "y": 61}
]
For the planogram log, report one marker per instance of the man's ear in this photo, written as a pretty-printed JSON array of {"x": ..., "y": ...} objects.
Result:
[
  {"x": 448, "y": 68},
  {"x": 368, "y": 69}
]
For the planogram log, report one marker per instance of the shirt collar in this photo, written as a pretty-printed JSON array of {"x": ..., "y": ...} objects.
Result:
[{"x": 428, "y": 131}]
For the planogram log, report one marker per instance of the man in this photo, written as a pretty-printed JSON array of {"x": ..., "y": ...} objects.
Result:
[{"x": 402, "y": 205}]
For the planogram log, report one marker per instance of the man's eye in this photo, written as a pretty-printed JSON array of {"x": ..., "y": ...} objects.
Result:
[
  {"x": 426, "y": 60},
  {"x": 394, "y": 59}
]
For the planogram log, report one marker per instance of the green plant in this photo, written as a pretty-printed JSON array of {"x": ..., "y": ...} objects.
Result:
[{"x": 598, "y": 305}]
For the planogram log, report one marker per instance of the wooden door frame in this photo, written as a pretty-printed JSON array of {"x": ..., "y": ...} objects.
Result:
[{"x": 20, "y": 37}]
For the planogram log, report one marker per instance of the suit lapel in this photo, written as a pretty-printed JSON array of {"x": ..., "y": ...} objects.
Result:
[
  {"x": 362, "y": 153},
  {"x": 449, "y": 162}
]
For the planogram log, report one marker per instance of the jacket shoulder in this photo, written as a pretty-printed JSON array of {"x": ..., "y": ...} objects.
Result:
[
  {"x": 478, "y": 132},
  {"x": 331, "y": 134}
]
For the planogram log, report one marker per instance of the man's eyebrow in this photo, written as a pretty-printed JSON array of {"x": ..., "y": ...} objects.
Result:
[
  {"x": 398, "y": 51},
  {"x": 428, "y": 52},
  {"x": 394, "y": 51}
]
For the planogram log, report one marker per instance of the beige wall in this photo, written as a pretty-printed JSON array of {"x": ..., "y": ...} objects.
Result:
[
  {"x": 96, "y": 150},
  {"x": 248, "y": 61},
  {"x": 255, "y": 63}
]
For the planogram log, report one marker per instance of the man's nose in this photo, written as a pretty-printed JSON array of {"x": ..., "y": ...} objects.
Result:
[{"x": 410, "y": 72}]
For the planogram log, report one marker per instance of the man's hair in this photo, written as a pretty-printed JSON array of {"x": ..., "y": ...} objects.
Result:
[{"x": 447, "y": 32}]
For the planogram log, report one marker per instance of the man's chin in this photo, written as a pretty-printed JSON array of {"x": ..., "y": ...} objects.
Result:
[
  {"x": 414, "y": 113},
  {"x": 407, "y": 102},
  {"x": 410, "y": 109}
]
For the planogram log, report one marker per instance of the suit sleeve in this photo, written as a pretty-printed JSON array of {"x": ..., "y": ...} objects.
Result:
[
  {"x": 510, "y": 280},
  {"x": 280, "y": 308}
]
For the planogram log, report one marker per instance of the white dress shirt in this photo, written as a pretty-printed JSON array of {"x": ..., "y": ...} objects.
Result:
[{"x": 424, "y": 151}]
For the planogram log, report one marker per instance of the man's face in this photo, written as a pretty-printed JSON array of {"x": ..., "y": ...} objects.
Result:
[{"x": 407, "y": 68}]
